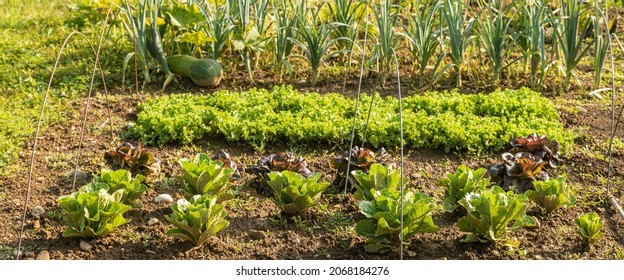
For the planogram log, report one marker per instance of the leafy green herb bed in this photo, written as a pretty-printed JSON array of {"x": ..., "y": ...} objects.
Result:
[{"x": 472, "y": 123}]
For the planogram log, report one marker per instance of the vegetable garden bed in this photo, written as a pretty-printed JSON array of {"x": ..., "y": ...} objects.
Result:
[{"x": 275, "y": 188}]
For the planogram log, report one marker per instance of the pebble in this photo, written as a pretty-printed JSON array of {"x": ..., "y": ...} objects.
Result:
[
  {"x": 36, "y": 224},
  {"x": 152, "y": 221},
  {"x": 38, "y": 211},
  {"x": 595, "y": 95},
  {"x": 85, "y": 246},
  {"x": 537, "y": 223},
  {"x": 256, "y": 235},
  {"x": 29, "y": 254},
  {"x": 580, "y": 109},
  {"x": 416, "y": 175},
  {"x": 43, "y": 256},
  {"x": 148, "y": 251},
  {"x": 163, "y": 198},
  {"x": 80, "y": 175}
]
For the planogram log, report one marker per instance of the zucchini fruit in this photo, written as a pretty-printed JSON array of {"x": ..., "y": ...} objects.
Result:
[{"x": 204, "y": 72}]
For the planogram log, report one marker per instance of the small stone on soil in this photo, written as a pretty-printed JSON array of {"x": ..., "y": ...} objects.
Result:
[
  {"x": 595, "y": 95},
  {"x": 256, "y": 235},
  {"x": 150, "y": 252},
  {"x": 36, "y": 224},
  {"x": 43, "y": 256},
  {"x": 29, "y": 254},
  {"x": 85, "y": 246},
  {"x": 416, "y": 175},
  {"x": 38, "y": 211},
  {"x": 163, "y": 198},
  {"x": 80, "y": 175},
  {"x": 152, "y": 221}
]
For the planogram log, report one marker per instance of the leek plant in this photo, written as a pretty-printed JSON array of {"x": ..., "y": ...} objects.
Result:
[
  {"x": 260, "y": 8},
  {"x": 386, "y": 16},
  {"x": 246, "y": 39},
  {"x": 219, "y": 27},
  {"x": 347, "y": 13},
  {"x": 494, "y": 33},
  {"x": 285, "y": 23},
  {"x": 459, "y": 33},
  {"x": 423, "y": 37},
  {"x": 533, "y": 42},
  {"x": 601, "y": 44},
  {"x": 569, "y": 38},
  {"x": 316, "y": 40},
  {"x": 145, "y": 36}
]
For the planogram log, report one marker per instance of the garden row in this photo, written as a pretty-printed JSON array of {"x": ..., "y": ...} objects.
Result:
[
  {"x": 449, "y": 120},
  {"x": 492, "y": 207},
  {"x": 545, "y": 38}
]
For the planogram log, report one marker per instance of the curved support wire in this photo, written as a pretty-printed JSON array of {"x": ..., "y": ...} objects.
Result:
[
  {"x": 41, "y": 113},
  {"x": 396, "y": 62},
  {"x": 357, "y": 104},
  {"x": 610, "y": 197}
]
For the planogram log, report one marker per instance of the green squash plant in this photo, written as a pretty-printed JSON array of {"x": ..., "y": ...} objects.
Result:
[
  {"x": 552, "y": 194},
  {"x": 205, "y": 176},
  {"x": 489, "y": 214},
  {"x": 293, "y": 193},
  {"x": 590, "y": 226},
  {"x": 92, "y": 214},
  {"x": 382, "y": 225},
  {"x": 464, "y": 181},
  {"x": 378, "y": 178},
  {"x": 197, "y": 219}
]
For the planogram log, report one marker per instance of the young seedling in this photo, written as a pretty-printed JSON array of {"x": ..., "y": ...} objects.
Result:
[
  {"x": 294, "y": 193},
  {"x": 385, "y": 213},
  {"x": 464, "y": 181},
  {"x": 490, "y": 213},
  {"x": 552, "y": 194},
  {"x": 590, "y": 227},
  {"x": 197, "y": 219}
]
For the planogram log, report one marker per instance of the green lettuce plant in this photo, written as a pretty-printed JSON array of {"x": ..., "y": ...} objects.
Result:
[
  {"x": 205, "y": 176},
  {"x": 464, "y": 181},
  {"x": 552, "y": 194},
  {"x": 382, "y": 225},
  {"x": 489, "y": 214},
  {"x": 590, "y": 226},
  {"x": 112, "y": 181},
  {"x": 197, "y": 219},
  {"x": 92, "y": 214},
  {"x": 293, "y": 193},
  {"x": 378, "y": 178}
]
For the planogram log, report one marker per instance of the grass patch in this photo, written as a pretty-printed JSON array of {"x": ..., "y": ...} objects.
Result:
[{"x": 30, "y": 39}]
